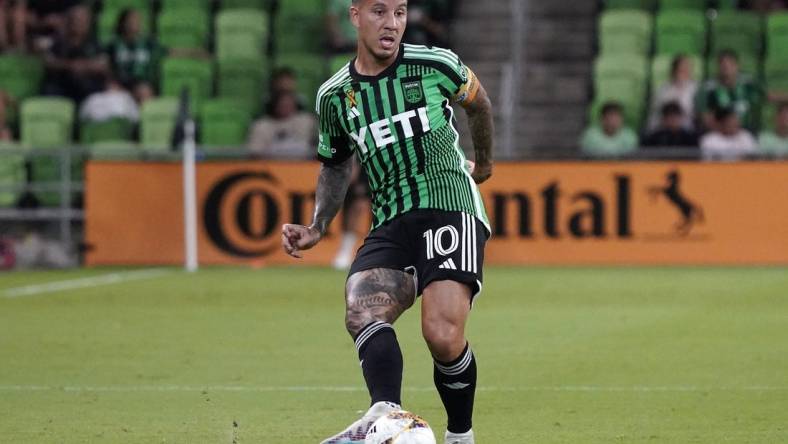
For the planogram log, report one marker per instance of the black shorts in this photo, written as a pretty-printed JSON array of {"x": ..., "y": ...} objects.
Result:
[{"x": 432, "y": 245}]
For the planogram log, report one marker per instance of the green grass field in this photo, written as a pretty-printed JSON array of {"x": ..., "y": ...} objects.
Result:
[{"x": 573, "y": 355}]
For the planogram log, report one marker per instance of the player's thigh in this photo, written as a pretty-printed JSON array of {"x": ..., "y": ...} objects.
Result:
[{"x": 377, "y": 294}]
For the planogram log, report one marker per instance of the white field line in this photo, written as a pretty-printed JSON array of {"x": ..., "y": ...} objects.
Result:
[
  {"x": 263, "y": 389},
  {"x": 87, "y": 282}
]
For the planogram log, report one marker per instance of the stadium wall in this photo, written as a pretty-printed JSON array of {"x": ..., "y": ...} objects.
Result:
[{"x": 655, "y": 213}]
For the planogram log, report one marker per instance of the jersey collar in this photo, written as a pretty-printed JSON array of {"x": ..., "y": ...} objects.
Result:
[{"x": 385, "y": 73}]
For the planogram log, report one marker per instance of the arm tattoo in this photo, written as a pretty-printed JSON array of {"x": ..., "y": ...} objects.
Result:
[
  {"x": 379, "y": 294},
  {"x": 480, "y": 120},
  {"x": 332, "y": 186}
]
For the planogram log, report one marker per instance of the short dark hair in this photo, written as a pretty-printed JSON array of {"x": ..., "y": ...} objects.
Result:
[
  {"x": 674, "y": 64},
  {"x": 611, "y": 107},
  {"x": 727, "y": 53},
  {"x": 782, "y": 106},
  {"x": 672, "y": 109},
  {"x": 123, "y": 17},
  {"x": 723, "y": 114},
  {"x": 283, "y": 71}
]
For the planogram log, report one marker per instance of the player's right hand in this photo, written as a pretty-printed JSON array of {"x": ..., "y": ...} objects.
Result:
[{"x": 297, "y": 238}]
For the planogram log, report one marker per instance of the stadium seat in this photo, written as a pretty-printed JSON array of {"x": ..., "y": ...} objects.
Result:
[
  {"x": 725, "y": 5},
  {"x": 738, "y": 31},
  {"x": 113, "y": 130},
  {"x": 680, "y": 31},
  {"x": 625, "y": 32},
  {"x": 646, "y": 5},
  {"x": 777, "y": 34},
  {"x": 241, "y": 34},
  {"x": 12, "y": 174},
  {"x": 337, "y": 62},
  {"x": 119, "y": 5},
  {"x": 748, "y": 64},
  {"x": 185, "y": 5},
  {"x": 660, "y": 69},
  {"x": 183, "y": 28},
  {"x": 698, "y": 5},
  {"x": 108, "y": 20},
  {"x": 246, "y": 4},
  {"x": 115, "y": 151},
  {"x": 768, "y": 113},
  {"x": 776, "y": 73},
  {"x": 297, "y": 22},
  {"x": 243, "y": 81},
  {"x": 194, "y": 74},
  {"x": 621, "y": 78},
  {"x": 310, "y": 70},
  {"x": 223, "y": 123},
  {"x": 157, "y": 123},
  {"x": 21, "y": 75},
  {"x": 47, "y": 122}
]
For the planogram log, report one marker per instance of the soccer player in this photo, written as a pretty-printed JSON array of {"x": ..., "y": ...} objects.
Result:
[{"x": 391, "y": 106}]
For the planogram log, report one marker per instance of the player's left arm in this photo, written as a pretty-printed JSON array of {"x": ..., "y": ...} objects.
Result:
[{"x": 474, "y": 99}]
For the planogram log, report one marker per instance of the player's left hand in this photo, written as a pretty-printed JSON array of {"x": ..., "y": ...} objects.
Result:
[
  {"x": 480, "y": 172},
  {"x": 296, "y": 238}
]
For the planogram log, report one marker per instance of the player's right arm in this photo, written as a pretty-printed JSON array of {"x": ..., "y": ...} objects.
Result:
[{"x": 332, "y": 183}]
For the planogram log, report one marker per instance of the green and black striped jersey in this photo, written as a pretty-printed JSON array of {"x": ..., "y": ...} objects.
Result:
[{"x": 400, "y": 124}]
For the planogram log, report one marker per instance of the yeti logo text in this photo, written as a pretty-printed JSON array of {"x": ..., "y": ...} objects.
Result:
[{"x": 383, "y": 130}]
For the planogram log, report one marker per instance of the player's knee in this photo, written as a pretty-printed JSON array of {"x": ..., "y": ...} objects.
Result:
[{"x": 445, "y": 340}]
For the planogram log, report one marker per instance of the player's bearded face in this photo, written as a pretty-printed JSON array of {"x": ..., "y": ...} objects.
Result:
[{"x": 380, "y": 25}]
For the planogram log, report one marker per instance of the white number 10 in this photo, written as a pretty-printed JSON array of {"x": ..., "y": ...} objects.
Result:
[{"x": 435, "y": 241}]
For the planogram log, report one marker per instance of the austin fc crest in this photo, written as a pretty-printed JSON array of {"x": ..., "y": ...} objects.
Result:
[{"x": 413, "y": 92}]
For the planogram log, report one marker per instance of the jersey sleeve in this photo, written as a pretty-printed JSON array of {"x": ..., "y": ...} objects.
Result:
[
  {"x": 333, "y": 144},
  {"x": 456, "y": 78}
]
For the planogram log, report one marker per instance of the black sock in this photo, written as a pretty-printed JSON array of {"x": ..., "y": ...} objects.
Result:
[
  {"x": 456, "y": 384},
  {"x": 381, "y": 361}
]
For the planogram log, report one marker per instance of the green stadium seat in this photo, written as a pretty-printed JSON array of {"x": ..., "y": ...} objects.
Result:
[
  {"x": 183, "y": 28},
  {"x": 194, "y": 74},
  {"x": 243, "y": 81},
  {"x": 339, "y": 61},
  {"x": 777, "y": 34},
  {"x": 310, "y": 70},
  {"x": 120, "y": 5},
  {"x": 223, "y": 123},
  {"x": 12, "y": 174},
  {"x": 47, "y": 122},
  {"x": 725, "y": 5},
  {"x": 21, "y": 75},
  {"x": 108, "y": 20},
  {"x": 246, "y": 4},
  {"x": 660, "y": 69},
  {"x": 157, "y": 123},
  {"x": 681, "y": 32},
  {"x": 241, "y": 34},
  {"x": 113, "y": 130},
  {"x": 185, "y": 5},
  {"x": 768, "y": 113},
  {"x": 622, "y": 78},
  {"x": 748, "y": 64},
  {"x": 645, "y": 5},
  {"x": 115, "y": 151},
  {"x": 776, "y": 73},
  {"x": 698, "y": 5},
  {"x": 738, "y": 31},
  {"x": 297, "y": 23},
  {"x": 625, "y": 32}
]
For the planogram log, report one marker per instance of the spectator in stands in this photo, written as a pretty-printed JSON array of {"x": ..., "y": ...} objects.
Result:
[
  {"x": 730, "y": 90},
  {"x": 75, "y": 64},
  {"x": 134, "y": 58},
  {"x": 114, "y": 102},
  {"x": 427, "y": 22},
  {"x": 5, "y": 130},
  {"x": 611, "y": 138},
  {"x": 285, "y": 80},
  {"x": 13, "y": 25},
  {"x": 682, "y": 89},
  {"x": 47, "y": 20},
  {"x": 671, "y": 131},
  {"x": 341, "y": 32},
  {"x": 729, "y": 141},
  {"x": 286, "y": 132},
  {"x": 775, "y": 142}
]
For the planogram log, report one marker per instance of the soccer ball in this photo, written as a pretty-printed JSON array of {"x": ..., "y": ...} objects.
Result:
[{"x": 400, "y": 427}]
